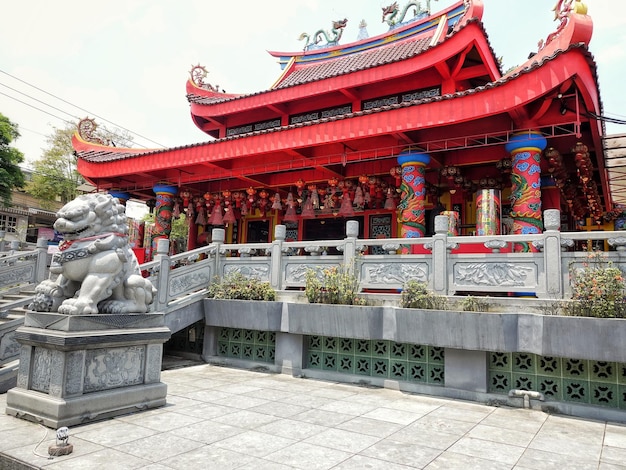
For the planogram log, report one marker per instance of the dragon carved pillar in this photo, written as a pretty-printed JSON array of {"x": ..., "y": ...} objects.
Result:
[
  {"x": 525, "y": 149},
  {"x": 413, "y": 187},
  {"x": 163, "y": 213}
]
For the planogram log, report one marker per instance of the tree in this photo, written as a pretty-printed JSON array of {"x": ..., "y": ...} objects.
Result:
[
  {"x": 11, "y": 175},
  {"x": 54, "y": 175}
]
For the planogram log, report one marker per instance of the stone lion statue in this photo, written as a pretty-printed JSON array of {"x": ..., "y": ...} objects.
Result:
[{"x": 95, "y": 270}]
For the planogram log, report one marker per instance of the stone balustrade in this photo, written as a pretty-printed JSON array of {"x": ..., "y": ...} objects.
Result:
[{"x": 448, "y": 264}]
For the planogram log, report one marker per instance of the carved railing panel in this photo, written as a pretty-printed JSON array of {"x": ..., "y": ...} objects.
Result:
[
  {"x": 188, "y": 279},
  {"x": 258, "y": 268},
  {"x": 393, "y": 273},
  {"x": 295, "y": 268},
  {"x": 24, "y": 272},
  {"x": 495, "y": 276}
]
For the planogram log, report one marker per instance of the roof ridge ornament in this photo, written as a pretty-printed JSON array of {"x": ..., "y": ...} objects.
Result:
[
  {"x": 563, "y": 10},
  {"x": 394, "y": 17},
  {"x": 332, "y": 39},
  {"x": 198, "y": 73},
  {"x": 86, "y": 129}
]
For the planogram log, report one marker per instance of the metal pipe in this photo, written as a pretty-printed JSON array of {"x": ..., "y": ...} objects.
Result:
[{"x": 527, "y": 395}]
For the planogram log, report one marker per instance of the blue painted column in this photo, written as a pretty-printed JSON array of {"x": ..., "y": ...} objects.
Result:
[{"x": 121, "y": 196}]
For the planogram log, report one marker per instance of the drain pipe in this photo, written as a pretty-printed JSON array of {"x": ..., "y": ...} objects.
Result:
[{"x": 527, "y": 395}]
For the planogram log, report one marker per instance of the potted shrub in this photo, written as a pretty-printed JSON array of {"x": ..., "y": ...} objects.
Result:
[
  {"x": 335, "y": 308},
  {"x": 237, "y": 301}
]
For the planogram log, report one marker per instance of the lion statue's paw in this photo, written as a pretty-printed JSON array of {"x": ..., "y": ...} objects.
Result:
[
  {"x": 48, "y": 297},
  {"x": 77, "y": 307}
]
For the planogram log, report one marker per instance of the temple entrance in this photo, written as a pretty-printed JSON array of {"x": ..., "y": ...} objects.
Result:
[
  {"x": 331, "y": 228},
  {"x": 258, "y": 231}
]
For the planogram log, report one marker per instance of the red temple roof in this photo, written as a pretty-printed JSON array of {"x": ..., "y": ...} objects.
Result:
[{"x": 351, "y": 109}]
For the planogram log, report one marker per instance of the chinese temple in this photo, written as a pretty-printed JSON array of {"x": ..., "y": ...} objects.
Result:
[{"x": 389, "y": 130}]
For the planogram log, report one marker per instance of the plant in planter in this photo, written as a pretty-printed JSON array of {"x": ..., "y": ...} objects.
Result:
[
  {"x": 597, "y": 289},
  {"x": 415, "y": 294},
  {"x": 239, "y": 287},
  {"x": 474, "y": 304},
  {"x": 334, "y": 285}
]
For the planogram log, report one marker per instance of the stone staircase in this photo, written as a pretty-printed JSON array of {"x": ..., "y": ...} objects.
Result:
[{"x": 12, "y": 310}]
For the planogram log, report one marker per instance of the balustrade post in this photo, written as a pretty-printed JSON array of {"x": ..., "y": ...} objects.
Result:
[
  {"x": 163, "y": 258},
  {"x": 552, "y": 253},
  {"x": 280, "y": 232},
  {"x": 41, "y": 269},
  {"x": 14, "y": 246},
  {"x": 349, "y": 251},
  {"x": 440, "y": 255},
  {"x": 218, "y": 236},
  {"x": 3, "y": 242}
]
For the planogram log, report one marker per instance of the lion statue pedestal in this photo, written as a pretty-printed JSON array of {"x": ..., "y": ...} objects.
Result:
[{"x": 90, "y": 347}]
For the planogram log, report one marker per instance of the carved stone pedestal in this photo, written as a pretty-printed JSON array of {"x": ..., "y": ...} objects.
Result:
[{"x": 81, "y": 368}]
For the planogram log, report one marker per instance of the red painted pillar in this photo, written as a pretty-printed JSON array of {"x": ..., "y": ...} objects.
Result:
[
  {"x": 525, "y": 149},
  {"x": 413, "y": 187},
  {"x": 163, "y": 213},
  {"x": 550, "y": 194}
]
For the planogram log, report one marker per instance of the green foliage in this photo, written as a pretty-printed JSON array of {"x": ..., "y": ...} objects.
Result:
[
  {"x": 474, "y": 304},
  {"x": 55, "y": 176},
  {"x": 334, "y": 285},
  {"x": 239, "y": 287},
  {"x": 11, "y": 176},
  {"x": 597, "y": 289},
  {"x": 180, "y": 228},
  {"x": 415, "y": 294}
]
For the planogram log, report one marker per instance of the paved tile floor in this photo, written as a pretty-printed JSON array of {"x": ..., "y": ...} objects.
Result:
[{"x": 222, "y": 418}]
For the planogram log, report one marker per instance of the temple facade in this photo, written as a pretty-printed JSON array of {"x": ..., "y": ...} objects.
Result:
[{"x": 390, "y": 131}]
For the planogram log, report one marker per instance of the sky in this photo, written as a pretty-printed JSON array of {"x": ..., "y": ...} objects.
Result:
[{"x": 125, "y": 63}]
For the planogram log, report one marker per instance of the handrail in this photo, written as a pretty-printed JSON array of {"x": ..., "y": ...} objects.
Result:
[
  {"x": 23, "y": 267},
  {"x": 442, "y": 263},
  {"x": 448, "y": 264}
]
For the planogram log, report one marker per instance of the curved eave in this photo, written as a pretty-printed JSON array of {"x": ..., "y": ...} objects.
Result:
[
  {"x": 95, "y": 151},
  {"x": 194, "y": 91},
  {"x": 472, "y": 33},
  {"x": 500, "y": 97},
  {"x": 578, "y": 30}
]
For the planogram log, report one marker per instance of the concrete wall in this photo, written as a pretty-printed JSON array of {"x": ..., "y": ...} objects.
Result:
[{"x": 467, "y": 337}]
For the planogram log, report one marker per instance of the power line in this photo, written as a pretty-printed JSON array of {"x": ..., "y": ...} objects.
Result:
[
  {"x": 22, "y": 128},
  {"x": 39, "y": 101},
  {"x": 82, "y": 109},
  {"x": 616, "y": 115},
  {"x": 606, "y": 118},
  {"x": 35, "y": 107},
  {"x": 76, "y": 118}
]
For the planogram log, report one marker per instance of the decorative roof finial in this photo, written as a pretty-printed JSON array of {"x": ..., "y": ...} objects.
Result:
[
  {"x": 363, "y": 34},
  {"x": 332, "y": 39},
  {"x": 393, "y": 16},
  {"x": 563, "y": 8},
  {"x": 198, "y": 74},
  {"x": 87, "y": 131},
  {"x": 562, "y": 13}
]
